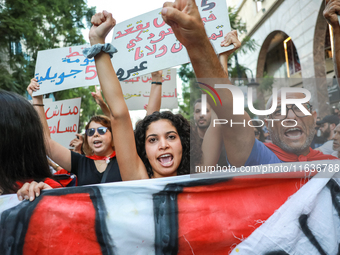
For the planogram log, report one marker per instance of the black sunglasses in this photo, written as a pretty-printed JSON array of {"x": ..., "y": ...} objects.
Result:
[
  {"x": 100, "y": 130},
  {"x": 296, "y": 110}
]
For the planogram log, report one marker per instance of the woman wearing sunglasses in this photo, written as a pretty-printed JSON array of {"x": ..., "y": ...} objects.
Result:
[{"x": 100, "y": 164}]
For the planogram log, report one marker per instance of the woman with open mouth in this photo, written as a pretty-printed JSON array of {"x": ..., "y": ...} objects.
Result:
[
  {"x": 100, "y": 165},
  {"x": 160, "y": 146}
]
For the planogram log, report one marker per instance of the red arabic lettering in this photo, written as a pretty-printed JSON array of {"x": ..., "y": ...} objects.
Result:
[
  {"x": 73, "y": 54},
  {"x": 214, "y": 36},
  {"x": 150, "y": 36},
  {"x": 71, "y": 129},
  {"x": 211, "y": 18},
  {"x": 147, "y": 79},
  {"x": 152, "y": 51},
  {"x": 174, "y": 49},
  {"x": 131, "y": 43},
  {"x": 164, "y": 48},
  {"x": 52, "y": 130},
  {"x": 88, "y": 71},
  {"x": 75, "y": 111},
  {"x": 168, "y": 78},
  {"x": 162, "y": 34},
  {"x": 138, "y": 54},
  {"x": 130, "y": 30},
  {"x": 156, "y": 24},
  {"x": 46, "y": 113},
  {"x": 133, "y": 80}
]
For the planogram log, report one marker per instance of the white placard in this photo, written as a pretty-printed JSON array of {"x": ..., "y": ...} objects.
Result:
[
  {"x": 146, "y": 44},
  {"x": 63, "y": 120},
  {"x": 137, "y": 91},
  {"x": 64, "y": 68}
]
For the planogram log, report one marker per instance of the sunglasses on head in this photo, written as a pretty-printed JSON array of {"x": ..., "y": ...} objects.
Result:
[{"x": 100, "y": 130}]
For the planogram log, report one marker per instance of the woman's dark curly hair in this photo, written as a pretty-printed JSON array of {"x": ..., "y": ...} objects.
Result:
[{"x": 183, "y": 130}]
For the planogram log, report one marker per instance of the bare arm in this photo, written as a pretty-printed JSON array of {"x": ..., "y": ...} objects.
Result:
[
  {"x": 155, "y": 99},
  {"x": 186, "y": 23},
  {"x": 229, "y": 38},
  {"x": 100, "y": 101},
  {"x": 212, "y": 143},
  {"x": 130, "y": 165},
  {"x": 57, "y": 152},
  {"x": 331, "y": 12}
]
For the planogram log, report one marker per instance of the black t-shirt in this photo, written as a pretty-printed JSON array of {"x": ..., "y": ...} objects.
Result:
[{"x": 87, "y": 173}]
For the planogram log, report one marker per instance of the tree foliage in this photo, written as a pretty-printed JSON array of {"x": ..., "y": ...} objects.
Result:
[{"x": 28, "y": 26}]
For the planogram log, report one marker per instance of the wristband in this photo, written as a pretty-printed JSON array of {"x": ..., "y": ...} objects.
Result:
[
  {"x": 95, "y": 49},
  {"x": 38, "y": 104},
  {"x": 157, "y": 83}
]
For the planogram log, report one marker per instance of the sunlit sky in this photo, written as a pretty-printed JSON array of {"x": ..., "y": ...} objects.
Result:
[{"x": 121, "y": 11}]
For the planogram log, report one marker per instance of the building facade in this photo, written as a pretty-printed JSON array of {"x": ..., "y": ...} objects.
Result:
[{"x": 294, "y": 41}]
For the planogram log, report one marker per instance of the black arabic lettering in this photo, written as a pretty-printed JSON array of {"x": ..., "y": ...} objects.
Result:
[{"x": 209, "y": 5}]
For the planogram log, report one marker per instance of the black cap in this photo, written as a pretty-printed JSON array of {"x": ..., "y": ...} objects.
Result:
[{"x": 331, "y": 119}]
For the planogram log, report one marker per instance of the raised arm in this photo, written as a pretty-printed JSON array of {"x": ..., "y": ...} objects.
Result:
[
  {"x": 130, "y": 165},
  {"x": 229, "y": 39},
  {"x": 100, "y": 101},
  {"x": 155, "y": 99},
  {"x": 186, "y": 23},
  {"x": 57, "y": 152},
  {"x": 331, "y": 12},
  {"x": 212, "y": 143}
]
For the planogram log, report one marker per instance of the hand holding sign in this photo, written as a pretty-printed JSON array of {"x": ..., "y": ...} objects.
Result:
[
  {"x": 331, "y": 12},
  {"x": 102, "y": 23},
  {"x": 185, "y": 21},
  {"x": 229, "y": 39},
  {"x": 33, "y": 87}
]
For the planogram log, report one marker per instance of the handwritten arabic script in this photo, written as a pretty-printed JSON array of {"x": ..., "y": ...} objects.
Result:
[
  {"x": 64, "y": 68},
  {"x": 147, "y": 38},
  {"x": 62, "y": 119}
]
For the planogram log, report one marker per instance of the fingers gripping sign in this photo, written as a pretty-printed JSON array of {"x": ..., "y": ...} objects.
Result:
[
  {"x": 33, "y": 86},
  {"x": 331, "y": 12},
  {"x": 231, "y": 39},
  {"x": 31, "y": 190},
  {"x": 102, "y": 23}
]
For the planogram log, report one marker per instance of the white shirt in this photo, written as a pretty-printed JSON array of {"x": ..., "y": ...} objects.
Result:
[{"x": 327, "y": 147}]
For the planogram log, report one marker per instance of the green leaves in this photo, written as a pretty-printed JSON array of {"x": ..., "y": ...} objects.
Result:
[{"x": 37, "y": 25}]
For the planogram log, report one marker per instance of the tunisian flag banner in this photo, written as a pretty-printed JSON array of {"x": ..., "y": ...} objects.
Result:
[{"x": 178, "y": 215}]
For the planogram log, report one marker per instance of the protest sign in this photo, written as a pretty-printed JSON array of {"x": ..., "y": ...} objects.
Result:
[
  {"x": 64, "y": 68},
  {"x": 146, "y": 44},
  {"x": 179, "y": 215},
  {"x": 137, "y": 91},
  {"x": 63, "y": 120}
]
